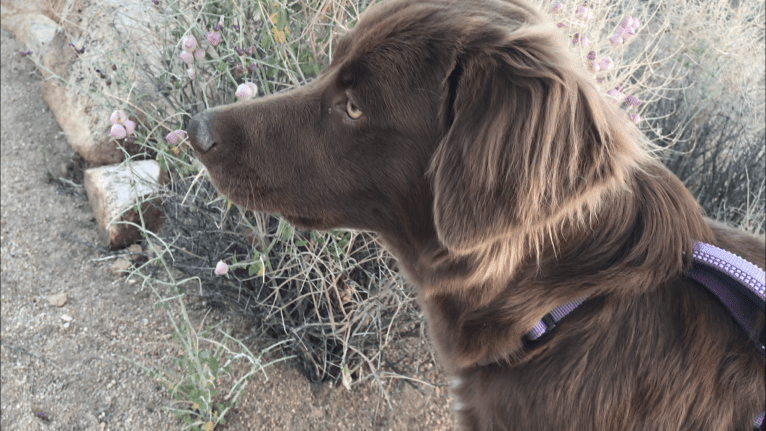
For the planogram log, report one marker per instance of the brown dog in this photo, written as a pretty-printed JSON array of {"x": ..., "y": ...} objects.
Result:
[{"x": 506, "y": 185}]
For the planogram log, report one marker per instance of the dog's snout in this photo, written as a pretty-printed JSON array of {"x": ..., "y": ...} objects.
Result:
[{"x": 200, "y": 131}]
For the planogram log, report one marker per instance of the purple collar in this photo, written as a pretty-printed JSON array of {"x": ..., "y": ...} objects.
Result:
[{"x": 737, "y": 283}]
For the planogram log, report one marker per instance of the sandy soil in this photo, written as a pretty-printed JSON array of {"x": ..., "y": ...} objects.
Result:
[{"x": 80, "y": 376}]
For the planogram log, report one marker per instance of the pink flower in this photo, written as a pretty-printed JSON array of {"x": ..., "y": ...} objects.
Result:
[
  {"x": 189, "y": 43},
  {"x": 221, "y": 268},
  {"x": 174, "y": 136},
  {"x": 117, "y": 131},
  {"x": 594, "y": 67},
  {"x": 583, "y": 13},
  {"x": 635, "y": 118},
  {"x": 246, "y": 91},
  {"x": 625, "y": 30},
  {"x": 606, "y": 63},
  {"x": 592, "y": 55},
  {"x": 630, "y": 22},
  {"x": 130, "y": 126},
  {"x": 584, "y": 41},
  {"x": 118, "y": 117},
  {"x": 199, "y": 54},
  {"x": 616, "y": 93},
  {"x": 192, "y": 72},
  {"x": 632, "y": 101},
  {"x": 213, "y": 38},
  {"x": 558, "y": 7},
  {"x": 187, "y": 57}
]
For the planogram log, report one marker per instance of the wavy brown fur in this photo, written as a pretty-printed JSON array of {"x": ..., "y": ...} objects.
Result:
[{"x": 506, "y": 186}]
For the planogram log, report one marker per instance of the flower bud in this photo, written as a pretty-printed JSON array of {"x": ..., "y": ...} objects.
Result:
[
  {"x": 187, "y": 57},
  {"x": 117, "y": 131},
  {"x": 246, "y": 91},
  {"x": 189, "y": 43},
  {"x": 118, "y": 117},
  {"x": 583, "y": 13},
  {"x": 175, "y": 136},
  {"x": 221, "y": 268},
  {"x": 616, "y": 93},
  {"x": 213, "y": 38},
  {"x": 130, "y": 126},
  {"x": 632, "y": 101}
]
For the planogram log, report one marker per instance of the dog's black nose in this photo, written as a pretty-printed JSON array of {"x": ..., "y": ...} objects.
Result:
[{"x": 200, "y": 131}]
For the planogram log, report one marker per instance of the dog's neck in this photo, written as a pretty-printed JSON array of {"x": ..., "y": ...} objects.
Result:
[{"x": 641, "y": 227}]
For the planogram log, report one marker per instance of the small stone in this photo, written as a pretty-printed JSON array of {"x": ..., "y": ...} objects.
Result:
[
  {"x": 58, "y": 300},
  {"x": 135, "y": 251},
  {"x": 67, "y": 320},
  {"x": 120, "y": 266}
]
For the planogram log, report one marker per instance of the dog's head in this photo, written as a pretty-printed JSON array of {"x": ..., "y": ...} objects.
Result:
[{"x": 465, "y": 121}]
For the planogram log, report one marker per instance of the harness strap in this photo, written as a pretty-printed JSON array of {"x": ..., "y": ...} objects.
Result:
[
  {"x": 550, "y": 320},
  {"x": 737, "y": 283}
]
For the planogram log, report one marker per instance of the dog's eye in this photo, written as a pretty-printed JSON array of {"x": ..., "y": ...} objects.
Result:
[{"x": 353, "y": 111}]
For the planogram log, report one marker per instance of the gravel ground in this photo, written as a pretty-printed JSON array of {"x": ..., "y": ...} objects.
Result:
[
  {"x": 60, "y": 376},
  {"x": 78, "y": 375}
]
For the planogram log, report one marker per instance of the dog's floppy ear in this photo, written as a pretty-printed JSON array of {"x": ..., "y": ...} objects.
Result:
[{"x": 528, "y": 140}]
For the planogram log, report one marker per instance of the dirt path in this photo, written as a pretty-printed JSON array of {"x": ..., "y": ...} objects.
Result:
[
  {"x": 78, "y": 376},
  {"x": 75, "y": 377}
]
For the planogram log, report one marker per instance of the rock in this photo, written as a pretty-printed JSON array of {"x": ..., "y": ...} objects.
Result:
[
  {"x": 67, "y": 320},
  {"x": 120, "y": 266},
  {"x": 112, "y": 192},
  {"x": 47, "y": 27},
  {"x": 135, "y": 251},
  {"x": 58, "y": 300}
]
